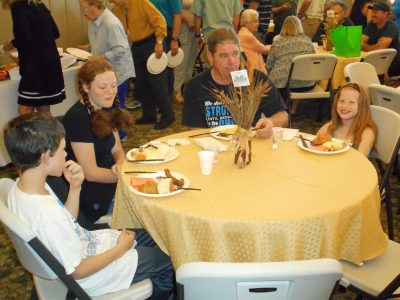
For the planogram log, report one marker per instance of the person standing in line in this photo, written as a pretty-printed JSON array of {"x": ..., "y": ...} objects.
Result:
[
  {"x": 187, "y": 40},
  {"x": 107, "y": 38},
  {"x": 213, "y": 14},
  {"x": 280, "y": 10},
  {"x": 147, "y": 29},
  {"x": 172, "y": 12},
  {"x": 35, "y": 32},
  {"x": 310, "y": 12}
]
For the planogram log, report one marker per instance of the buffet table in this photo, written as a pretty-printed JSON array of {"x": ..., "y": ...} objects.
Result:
[
  {"x": 288, "y": 204},
  {"x": 9, "y": 106}
]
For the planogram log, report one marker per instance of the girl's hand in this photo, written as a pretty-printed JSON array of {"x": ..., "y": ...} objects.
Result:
[
  {"x": 126, "y": 239},
  {"x": 73, "y": 173},
  {"x": 116, "y": 169}
]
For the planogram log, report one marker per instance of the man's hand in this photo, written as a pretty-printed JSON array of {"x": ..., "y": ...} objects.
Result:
[
  {"x": 264, "y": 126},
  {"x": 84, "y": 47},
  {"x": 285, "y": 6},
  {"x": 158, "y": 50},
  {"x": 174, "y": 46},
  {"x": 73, "y": 173},
  {"x": 199, "y": 42},
  {"x": 126, "y": 240}
]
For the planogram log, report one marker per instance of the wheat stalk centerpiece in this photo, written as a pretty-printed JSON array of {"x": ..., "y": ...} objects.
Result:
[{"x": 243, "y": 103}]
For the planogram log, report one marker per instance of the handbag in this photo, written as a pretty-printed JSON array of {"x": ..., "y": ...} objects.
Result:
[{"x": 347, "y": 40}]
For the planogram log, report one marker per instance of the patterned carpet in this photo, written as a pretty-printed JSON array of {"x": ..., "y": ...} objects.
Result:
[{"x": 16, "y": 282}]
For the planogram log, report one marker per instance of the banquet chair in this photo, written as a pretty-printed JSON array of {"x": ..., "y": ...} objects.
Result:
[
  {"x": 386, "y": 96},
  {"x": 362, "y": 73},
  {"x": 307, "y": 279},
  {"x": 378, "y": 278},
  {"x": 49, "y": 277},
  {"x": 381, "y": 60},
  {"x": 387, "y": 148},
  {"x": 310, "y": 67}
]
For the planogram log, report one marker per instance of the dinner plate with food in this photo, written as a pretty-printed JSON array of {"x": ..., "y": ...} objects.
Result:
[
  {"x": 223, "y": 132},
  {"x": 160, "y": 184},
  {"x": 323, "y": 143},
  {"x": 152, "y": 153}
]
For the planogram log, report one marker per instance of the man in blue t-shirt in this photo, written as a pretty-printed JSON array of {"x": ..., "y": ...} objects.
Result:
[
  {"x": 381, "y": 33},
  {"x": 202, "y": 110}
]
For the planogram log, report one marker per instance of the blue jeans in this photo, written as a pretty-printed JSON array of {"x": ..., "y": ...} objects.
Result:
[
  {"x": 122, "y": 91},
  {"x": 153, "y": 264}
]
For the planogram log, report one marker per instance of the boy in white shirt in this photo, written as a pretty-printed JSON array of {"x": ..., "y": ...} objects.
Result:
[{"x": 103, "y": 261}]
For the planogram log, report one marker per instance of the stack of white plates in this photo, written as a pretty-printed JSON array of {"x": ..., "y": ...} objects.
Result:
[
  {"x": 79, "y": 53},
  {"x": 157, "y": 65}
]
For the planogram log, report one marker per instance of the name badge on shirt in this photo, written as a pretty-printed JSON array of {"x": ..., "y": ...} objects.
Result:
[{"x": 240, "y": 78}]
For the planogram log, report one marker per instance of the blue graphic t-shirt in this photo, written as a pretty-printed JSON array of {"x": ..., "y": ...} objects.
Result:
[{"x": 202, "y": 110}]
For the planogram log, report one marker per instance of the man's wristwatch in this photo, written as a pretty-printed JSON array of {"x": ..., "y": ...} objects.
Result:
[
  {"x": 159, "y": 42},
  {"x": 197, "y": 35}
]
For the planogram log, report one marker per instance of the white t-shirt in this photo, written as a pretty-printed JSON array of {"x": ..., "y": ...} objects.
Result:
[{"x": 70, "y": 243}]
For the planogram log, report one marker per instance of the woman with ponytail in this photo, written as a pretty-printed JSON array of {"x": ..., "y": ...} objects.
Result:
[{"x": 92, "y": 126}]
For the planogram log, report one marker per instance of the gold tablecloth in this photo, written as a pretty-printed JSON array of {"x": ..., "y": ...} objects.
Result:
[
  {"x": 288, "y": 204},
  {"x": 338, "y": 75}
]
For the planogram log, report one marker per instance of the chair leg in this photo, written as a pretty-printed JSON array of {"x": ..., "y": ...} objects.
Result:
[
  {"x": 34, "y": 295},
  {"x": 289, "y": 109},
  {"x": 389, "y": 211}
]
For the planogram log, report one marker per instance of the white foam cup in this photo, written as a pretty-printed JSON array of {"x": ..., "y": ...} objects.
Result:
[{"x": 206, "y": 159}]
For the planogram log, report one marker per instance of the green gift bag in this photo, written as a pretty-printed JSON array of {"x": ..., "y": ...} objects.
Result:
[{"x": 347, "y": 40}]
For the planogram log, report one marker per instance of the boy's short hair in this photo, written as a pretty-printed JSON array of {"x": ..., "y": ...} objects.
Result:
[
  {"x": 28, "y": 136},
  {"x": 221, "y": 36}
]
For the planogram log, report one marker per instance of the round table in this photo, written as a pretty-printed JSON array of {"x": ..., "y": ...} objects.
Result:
[{"x": 288, "y": 204}]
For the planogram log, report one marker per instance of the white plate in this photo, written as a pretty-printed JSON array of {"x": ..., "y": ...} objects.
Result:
[
  {"x": 163, "y": 152},
  {"x": 158, "y": 174},
  {"x": 174, "y": 61},
  {"x": 67, "y": 60},
  {"x": 79, "y": 53},
  {"x": 221, "y": 128},
  {"x": 309, "y": 149},
  {"x": 157, "y": 65}
]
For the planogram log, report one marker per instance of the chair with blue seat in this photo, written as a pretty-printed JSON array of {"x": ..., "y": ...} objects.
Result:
[
  {"x": 308, "y": 279},
  {"x": 49, "y": 276}
]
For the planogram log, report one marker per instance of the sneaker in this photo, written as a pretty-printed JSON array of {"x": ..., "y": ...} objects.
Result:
[{"x": 133, "y": 105}]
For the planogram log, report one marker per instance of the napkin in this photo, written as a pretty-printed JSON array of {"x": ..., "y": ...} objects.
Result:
[
  {"x": 174, "y": 142},
  {"x": 289, "y": 134},
  {"x": 209, "y": 143}
]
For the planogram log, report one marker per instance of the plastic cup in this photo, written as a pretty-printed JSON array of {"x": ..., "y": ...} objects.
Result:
[
  {"x": 206, "y": 159},
  {"x": 215, "y": 150},
  {"x": 277, "y": 134}
]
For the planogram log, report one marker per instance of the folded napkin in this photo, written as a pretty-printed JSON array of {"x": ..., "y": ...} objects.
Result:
[
  {"x": 209, "y": 143},
  {"x": 289, "y": 134},
  {"x": 174, "y": 142}
]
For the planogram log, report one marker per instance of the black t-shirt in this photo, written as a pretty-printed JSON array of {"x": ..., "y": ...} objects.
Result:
[
  {"x": 389, "y": 30},
  {"x": 95, "y": 197},
  {"x": 201, "y": 110}
]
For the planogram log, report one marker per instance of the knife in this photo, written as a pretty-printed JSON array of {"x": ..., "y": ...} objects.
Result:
[
  {"x": 140, "y": 160},
  {"x": 303, "y": 141}
]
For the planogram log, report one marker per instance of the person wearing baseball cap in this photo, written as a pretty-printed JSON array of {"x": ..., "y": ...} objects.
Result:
[{"x": 381, "y": 33}]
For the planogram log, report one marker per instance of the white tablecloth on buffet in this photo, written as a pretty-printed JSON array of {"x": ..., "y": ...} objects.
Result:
[{"x": 9, "y": 107}]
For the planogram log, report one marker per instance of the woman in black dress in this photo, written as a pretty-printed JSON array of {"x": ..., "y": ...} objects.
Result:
[{"x": 35, "y": 32}]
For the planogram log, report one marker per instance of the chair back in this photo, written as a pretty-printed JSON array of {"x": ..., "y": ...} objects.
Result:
[
  {"x": 386, "y": 96},
  {"x": 380, "y": 59},
  {"x": 32, "y": 254},
  {"x": 362, "y": 73},
  {"x": 388, "y": 123},
  {"x": 312, "y": 67},
  {"x": 309, "y": 279}
]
